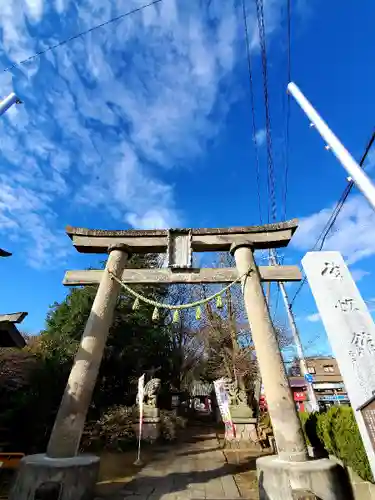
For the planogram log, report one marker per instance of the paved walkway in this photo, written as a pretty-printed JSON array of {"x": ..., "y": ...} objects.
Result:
[{"x": 195, "y": 469}]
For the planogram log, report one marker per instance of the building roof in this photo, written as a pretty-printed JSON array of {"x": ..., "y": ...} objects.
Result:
[
  {"x": 297, "y": 382},
  {"x": 199, "y": 388},
  {"x": 9, "y": 333},
  {"x": 4, "y": 253},
  {"x": 319, "y": 358}
]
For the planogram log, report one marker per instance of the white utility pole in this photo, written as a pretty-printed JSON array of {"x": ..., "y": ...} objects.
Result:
[
  {"x": 360, "y": 179},
  {"x": 8, "y": 102},
  {"x": 303, "y": 365},
  {"x": 302, "y": 362}
]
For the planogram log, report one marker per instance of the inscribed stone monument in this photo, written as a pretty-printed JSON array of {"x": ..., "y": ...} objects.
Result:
[{"x": 350, "y": 330}]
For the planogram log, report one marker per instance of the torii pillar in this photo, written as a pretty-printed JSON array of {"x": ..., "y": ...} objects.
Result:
[
  {"x": 62, "y": 472},
  {"x": 285, "y": 422},
  {"x": 290, "y": 472}
]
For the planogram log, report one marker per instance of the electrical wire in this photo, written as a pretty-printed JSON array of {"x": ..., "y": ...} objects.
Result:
[
  {"x": 83, "y": 33},
  {"x": 271, "y": 173},
  {"x": 287, "y": 117},
  {"x": 335, "y": 213},
  {"x": 251, "y": 87}
]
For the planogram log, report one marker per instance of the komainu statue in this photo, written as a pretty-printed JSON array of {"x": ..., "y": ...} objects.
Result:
[
  {"x": 151, "y": 392},
  {"x": 237, "y": 396}
]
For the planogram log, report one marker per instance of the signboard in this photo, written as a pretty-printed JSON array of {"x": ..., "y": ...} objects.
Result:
[
  {"x": 223, "y": 403},
  {"x": 309, "y": 378},
  {"x": 299, "y": 396},
  {"x": 350, "y": 330},
  {"x": 297, "y": 382},
  {"x": 333, "y": 397},
  {"x": 368, "y": 414},
  {"x": 328, "y": 385}
]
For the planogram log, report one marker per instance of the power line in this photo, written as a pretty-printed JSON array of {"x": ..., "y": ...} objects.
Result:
[
  {"x": 335, "y": 213},
  {"x": 251, "y": 86},
  {"x": 262, "y": 42},
  {"x": 287, "y": 118},
  {"x": 346, "y": 192},
  {"x": 83, "y": 33}
]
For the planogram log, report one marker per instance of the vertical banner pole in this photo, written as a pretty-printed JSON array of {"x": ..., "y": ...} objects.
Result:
[{"x": 141, "y": 385}]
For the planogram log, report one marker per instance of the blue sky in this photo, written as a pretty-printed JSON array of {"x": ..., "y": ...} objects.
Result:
[{"x": 147, "y": 123}]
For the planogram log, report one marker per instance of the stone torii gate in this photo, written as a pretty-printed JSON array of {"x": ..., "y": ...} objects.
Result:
[{"x": 76, "y": 474}]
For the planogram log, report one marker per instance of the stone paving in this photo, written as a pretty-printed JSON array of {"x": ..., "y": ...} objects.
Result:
[{"x": 196, "y": 469}]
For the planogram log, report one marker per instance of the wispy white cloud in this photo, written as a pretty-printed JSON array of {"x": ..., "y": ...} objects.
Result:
[
  {"x": 260, "y": 136},
  {"x": 34, "y": 9},
  {"x": 371, "y": 304},
  {"x": 313, "y": 318},
  {"x": 358, "y": 274},
  {"x": 352, "y": 234},
  {"x": 106, "y": 116}
]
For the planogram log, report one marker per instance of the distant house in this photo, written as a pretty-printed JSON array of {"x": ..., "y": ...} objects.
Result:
[
  {"x": 199, "y": 389},
  {"x": 327, "y": 383}
]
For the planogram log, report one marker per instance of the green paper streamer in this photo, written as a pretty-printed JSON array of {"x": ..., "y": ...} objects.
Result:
[
  {"x": 155, "y": 315},
  {"x": 176, "y": 316},
  {"x": 219, "y": 302},
  {"x": 136, "y": 305},
  {"x": 198, "y": 313}
]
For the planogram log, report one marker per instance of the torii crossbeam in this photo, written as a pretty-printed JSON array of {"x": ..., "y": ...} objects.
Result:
[{"x": 199, "y": 240}]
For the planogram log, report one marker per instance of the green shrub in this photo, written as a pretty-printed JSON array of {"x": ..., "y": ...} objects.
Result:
[
  {"x": 337, "y": 431},
  {"x": 170, "y": 423},
  {"x": 114, "y": 431},
  {"x": 265, "y": 420},
  {"x": 347, "y": 442},
  {"x": 325, "y": 430},
  {"x": 303, "y": 416}
]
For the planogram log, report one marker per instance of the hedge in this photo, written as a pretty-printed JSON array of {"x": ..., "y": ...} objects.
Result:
[
  {"x": 114, "y": 431},
  {"x": 336, "y": 430}
]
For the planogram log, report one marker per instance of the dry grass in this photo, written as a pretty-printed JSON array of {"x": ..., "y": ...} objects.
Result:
[{"x": 118, "y": 469}]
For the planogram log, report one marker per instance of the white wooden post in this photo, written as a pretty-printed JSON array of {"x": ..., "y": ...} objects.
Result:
[
  {"x": 8, "y": 102},
  {"x": 360, "y": 178}
]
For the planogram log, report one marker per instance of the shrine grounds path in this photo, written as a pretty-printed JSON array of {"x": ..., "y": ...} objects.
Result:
[{"x": 194, "y": 468}]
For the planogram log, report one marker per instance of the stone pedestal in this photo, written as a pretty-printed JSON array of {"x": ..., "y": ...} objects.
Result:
[
  {"x": 175, "y": 402},
  {"x": 240, "y": 412},
  {"x": 282, "y": 480},
  {"x": 246, "y": 436},
  {"x": 151, "y": 428},
  {"x": 40, "y": 477}
]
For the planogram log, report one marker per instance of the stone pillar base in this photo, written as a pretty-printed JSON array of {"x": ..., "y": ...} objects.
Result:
[
  {"x": 41, "y": 477},
  {"x": 151, "y": 429},
  {"x": 282, "y": 480}
]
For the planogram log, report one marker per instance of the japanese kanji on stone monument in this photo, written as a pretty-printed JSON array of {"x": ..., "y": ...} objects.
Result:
[{"x": 350, "y": 329}]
